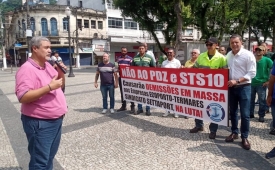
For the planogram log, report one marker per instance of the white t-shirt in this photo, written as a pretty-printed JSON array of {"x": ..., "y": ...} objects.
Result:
[{"x": 175, "y": 63}]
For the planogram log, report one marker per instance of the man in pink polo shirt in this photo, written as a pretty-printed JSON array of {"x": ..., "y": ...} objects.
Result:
[{"x": 38, "y": 88}]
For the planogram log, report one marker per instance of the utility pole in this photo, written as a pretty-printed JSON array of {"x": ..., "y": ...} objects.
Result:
[
  {"x": 77, "y": 64},
  {"x": 3, "y": 44},
  {"x": 28, "y": 31}
]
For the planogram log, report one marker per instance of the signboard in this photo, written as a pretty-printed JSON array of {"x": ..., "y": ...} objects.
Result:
[
  {"x": 197, "y": 93},
  {"x": 17, "y": 45}
]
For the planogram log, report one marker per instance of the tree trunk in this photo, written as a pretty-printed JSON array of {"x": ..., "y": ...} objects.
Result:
[{"x": 177, "y": 9}]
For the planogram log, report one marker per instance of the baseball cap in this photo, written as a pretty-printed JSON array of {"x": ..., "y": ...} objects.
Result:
[
  {"x": 261, "y": 48},
  {"x": 212, "y": 40}
]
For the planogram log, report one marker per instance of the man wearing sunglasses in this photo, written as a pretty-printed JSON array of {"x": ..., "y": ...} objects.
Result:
[
  {"x": 260, "y": 82},
  {"x": 211, "y": 59}
]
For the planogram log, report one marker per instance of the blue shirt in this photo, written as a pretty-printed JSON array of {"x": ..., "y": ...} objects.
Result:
[{"x": 106, "y": 72}]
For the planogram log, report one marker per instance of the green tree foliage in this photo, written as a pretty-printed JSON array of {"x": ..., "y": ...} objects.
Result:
[
  {"x": 10, "y": 5},
  {"x": 150, "y": 14}
]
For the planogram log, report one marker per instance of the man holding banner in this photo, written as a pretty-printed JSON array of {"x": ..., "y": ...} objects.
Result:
[
  {"x": 143, "y": 60},
  {"x": 171, "y": 62},
  {"x": 242, "y": 69},
  {"x": 211, "y": 59}
]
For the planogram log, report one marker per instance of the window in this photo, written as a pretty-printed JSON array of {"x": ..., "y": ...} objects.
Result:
[
  {"x": 100, "y": 25},
  {"x": 188, "y": 32},
  {"x": 93, "y": 24},
  {"x": 198, "y": 35},
  {"x": 80, "y": 4},
  {"x": 53, "y": 27},
  {"x": 44, "y": 26},
  {"x": 86, "y": 23},
  {"x": 159, "y": 27},
  {"x": 65, "y": 24},
  {"x": 79, "y": 23},
  {"x": 68, "y": 3},
  {"x": 114, "y": 22},
  {"x": 32, "y": 21},
  {"x": 23, "y": 24},
  {"x": 130, "y": 24}
]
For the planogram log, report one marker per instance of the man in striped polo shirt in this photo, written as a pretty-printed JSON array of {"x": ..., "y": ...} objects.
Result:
[{"x": 124, "y": 60}]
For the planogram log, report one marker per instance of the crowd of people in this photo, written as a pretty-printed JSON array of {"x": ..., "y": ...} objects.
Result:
[
  {"x": 249, "y": 74},
  {"x": 39, "y": 85}
]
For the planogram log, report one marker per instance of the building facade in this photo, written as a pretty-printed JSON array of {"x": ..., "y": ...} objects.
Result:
[{"x": 51, "y": 21}]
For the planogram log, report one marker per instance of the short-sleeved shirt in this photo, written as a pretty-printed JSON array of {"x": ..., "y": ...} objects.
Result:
[
  {"x": 264, "y": 66},
  {"x": 106, "y": 72},
  {"x": 145, "y": 61},
  {"x": 175, "y": 63},
  {"x": 189, "y": 64},
  {"x": 273, "y": 73},
  {"x": 31, "y": 76},
  {"x": 218, "y": 61},
  {"x": 124, "y": 61}
]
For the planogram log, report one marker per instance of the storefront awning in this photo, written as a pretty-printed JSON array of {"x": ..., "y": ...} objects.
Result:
[{"x": 99, "y": 53}]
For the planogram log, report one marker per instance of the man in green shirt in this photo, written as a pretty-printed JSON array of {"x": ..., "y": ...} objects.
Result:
[
  {"x": 260, "y": 82},
  {"x": 211, "y": 59},
  {"x": 143, "y": 60}
]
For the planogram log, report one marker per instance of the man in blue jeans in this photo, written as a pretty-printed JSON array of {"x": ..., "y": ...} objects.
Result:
[
  {"x": 242, "y": 69},
  {"x": 143, "y": 60},
  {"x": 260, "y": 83},
  {"x": 271, "y": 102},
  {"x": 107, "y": 72}
]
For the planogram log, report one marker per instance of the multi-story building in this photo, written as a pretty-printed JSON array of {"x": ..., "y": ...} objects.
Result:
[
  {"x": 51, "y": 21},
  {"x": 124, "y": 32}
]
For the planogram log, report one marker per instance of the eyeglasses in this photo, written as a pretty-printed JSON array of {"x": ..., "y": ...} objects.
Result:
[
  {"x": 169, "y": 52},
  {"x": 209, "y": 45}
]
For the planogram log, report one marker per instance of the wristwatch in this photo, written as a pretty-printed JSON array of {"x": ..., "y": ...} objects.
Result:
[{"x": 238, "y": 81}]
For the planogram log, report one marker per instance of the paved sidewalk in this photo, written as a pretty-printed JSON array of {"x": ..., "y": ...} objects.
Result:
[{"x": 93, "y": 141}]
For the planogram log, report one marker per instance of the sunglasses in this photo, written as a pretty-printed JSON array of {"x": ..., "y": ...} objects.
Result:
[
  {"x": 209, "y": 45},
  {"x": 258, "y": 49}
]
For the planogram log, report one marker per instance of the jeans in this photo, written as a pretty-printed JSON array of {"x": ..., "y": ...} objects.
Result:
[
  {"x": 261, "y": 91},
  {"x": 241, "y": 96},
  {"x": 104, "y": 91},
  {"x": 273, "y": 112},
  {"x": 43, "y": 140},
  {"x": 213, "y": 127},
  {"x": 121, "y": 93},
  {"x": 140, "y": 107}
]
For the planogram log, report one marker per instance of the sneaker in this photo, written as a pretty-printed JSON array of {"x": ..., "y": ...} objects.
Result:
[
  {"x": 185, "y": 117},
  {"x": 267, "y": 111},
  {"x": 272, "y": 132},
  {"x": 148, "y": 113},
  {"x": 132, "y": 110},
  {"x": 212, "y": 135},
  {"x": 138, "y": 112},
  {"x": 270, "y": 154},
  {"x": 261, "y": 119},
  {"x": 252, "y": 116},
  {"x": 196, "y": 130},
  {"x": 176, "y": 115},
  {"x": 121, "y": 109},
  {"x": 166, "y": 114},
  {"x": 112, "y": 111},
  {"x": 104, "y": 111}
]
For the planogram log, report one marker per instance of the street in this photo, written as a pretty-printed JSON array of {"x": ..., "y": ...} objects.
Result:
[{"x": 91, "y": 140}]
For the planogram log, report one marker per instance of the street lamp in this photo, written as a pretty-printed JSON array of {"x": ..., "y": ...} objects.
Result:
[{"x": 68, "y": 13}]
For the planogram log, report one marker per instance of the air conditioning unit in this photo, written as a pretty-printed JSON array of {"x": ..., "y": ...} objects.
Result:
[{"x": 95, "y": 35}]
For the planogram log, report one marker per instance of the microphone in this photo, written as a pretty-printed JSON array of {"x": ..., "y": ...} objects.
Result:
[{"x": 58, "y": 65}]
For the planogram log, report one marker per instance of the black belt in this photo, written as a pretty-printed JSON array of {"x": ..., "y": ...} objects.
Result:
[{"x": 242, "y": 85}]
